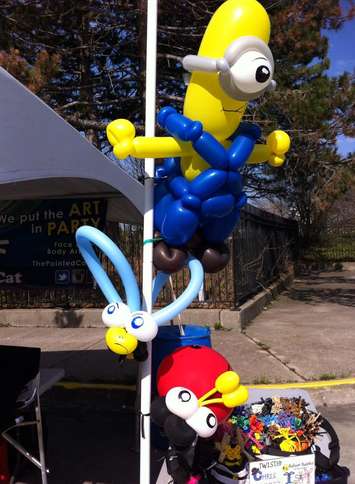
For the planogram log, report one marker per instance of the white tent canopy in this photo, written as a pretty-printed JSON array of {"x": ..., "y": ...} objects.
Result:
[{"x": 42, "y": 156}]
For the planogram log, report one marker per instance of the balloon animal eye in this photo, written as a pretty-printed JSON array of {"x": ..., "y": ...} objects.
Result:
[
  {"x": 116, "y": 314},
  {"x": 262, "y": 74},
  {"x": 252, "y": 72},
  {"x": 211, "y": 420},
  {"x": 111, "y": 308},
  {"x": 142, "y": 326},
  {"x": 204, "y": 422},
  {"x": 137, "y": 322},
  {"x": 185, "y": 396},
  {"x": 181, "y": 402}
]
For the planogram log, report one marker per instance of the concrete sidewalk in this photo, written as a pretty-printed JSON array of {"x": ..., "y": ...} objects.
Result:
[{"x": 310, "y": 329}]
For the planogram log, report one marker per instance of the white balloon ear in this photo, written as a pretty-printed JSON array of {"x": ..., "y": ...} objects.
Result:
[
  {"x": 182, "y": 402},
  {"x": 142, "y": 326},
  {"x": 204, "y": 422},
  {"x": 116, "y": 314}
]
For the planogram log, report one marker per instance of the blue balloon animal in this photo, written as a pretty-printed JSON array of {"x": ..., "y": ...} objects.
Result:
[{"x": 128, "y": 324}]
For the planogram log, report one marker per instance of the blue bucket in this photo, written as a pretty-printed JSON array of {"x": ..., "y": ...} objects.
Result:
[{"x": 167, "y": 340}]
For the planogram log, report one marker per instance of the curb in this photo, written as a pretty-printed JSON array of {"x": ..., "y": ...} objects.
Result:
[
  {"x": 323, "y": 393},
  {"x": 254, "y": 306},
  {"x": 308, "y": 384},
  {"x": 312, "y": 385}
]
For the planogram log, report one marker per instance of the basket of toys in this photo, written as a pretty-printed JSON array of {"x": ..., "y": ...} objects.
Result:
[{"x": 271, "y": 428}]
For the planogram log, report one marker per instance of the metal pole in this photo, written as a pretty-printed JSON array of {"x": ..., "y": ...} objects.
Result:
[{"x": 150, "y": 107}]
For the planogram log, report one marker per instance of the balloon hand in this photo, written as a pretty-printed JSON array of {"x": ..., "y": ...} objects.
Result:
[
  {"x": 279, "y": 143},
  {"x": 121, "y": 134}
]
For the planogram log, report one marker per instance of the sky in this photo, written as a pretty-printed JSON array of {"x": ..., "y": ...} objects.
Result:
[{"x": 342, "y": 58}]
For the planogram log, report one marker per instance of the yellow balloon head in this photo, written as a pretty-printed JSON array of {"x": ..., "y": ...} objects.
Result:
[
  {"x": 120, "y": 342},
  {"x": 205, "y": 100}
]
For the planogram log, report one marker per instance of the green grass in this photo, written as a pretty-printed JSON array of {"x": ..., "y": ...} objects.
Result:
[
  {"x": 333, "y": 376},
  {"x": 336, "y": 249},
  {"x": 327, "y": 376}
]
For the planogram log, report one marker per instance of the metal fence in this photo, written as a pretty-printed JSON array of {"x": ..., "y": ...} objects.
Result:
[
  {"x": 265, "y": 245},
  {"x": 337, "y": 244},
  {"x": 261, "y": 248}
]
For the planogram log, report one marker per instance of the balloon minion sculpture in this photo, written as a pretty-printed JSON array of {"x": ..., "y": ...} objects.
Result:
[{"x": 199, "y": 187}]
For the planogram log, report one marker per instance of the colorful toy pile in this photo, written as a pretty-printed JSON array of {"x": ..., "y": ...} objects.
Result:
[
  {"x": 277, "y": 424},
  {"x": 273, "y": 428}
]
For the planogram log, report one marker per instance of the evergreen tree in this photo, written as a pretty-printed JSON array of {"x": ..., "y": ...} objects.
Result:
[
  {"x": 314, "y": 109},
  {"x": 86, "y": 60}
]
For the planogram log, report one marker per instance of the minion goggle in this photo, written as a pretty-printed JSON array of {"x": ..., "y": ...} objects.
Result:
[
  {"x": 183, "y": 403},
  {"x": 245, "y": 72}
]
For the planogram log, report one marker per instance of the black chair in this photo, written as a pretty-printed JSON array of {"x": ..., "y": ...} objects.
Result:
[{"x": 19, "y": 383}]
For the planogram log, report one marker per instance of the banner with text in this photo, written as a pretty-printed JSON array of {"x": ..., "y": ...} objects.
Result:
[
  {"x": 37, "y": 240},
  {"x": 286, "y": 470}
]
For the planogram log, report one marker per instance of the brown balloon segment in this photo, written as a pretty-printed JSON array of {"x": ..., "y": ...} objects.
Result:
[
  {"x": 169, "y": 259},
  {"x": 213, "y": 258},
  {"x": 196, "y": 242}
]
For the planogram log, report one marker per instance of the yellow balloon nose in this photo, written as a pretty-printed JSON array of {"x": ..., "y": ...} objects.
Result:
[
  {"x": 120, "y": 342},
  {"x": 227, "y": 382},
  {"x": 235, "y": 398}
]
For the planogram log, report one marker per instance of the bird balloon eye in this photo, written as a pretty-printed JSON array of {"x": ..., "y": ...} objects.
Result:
[
  {"x": 111, "y": 309},
  {"x": 252, "y": 72},
  {"x": 204, "y": 422},
  {"x": 181, "y": 402},
  {"x": 142, "y": 326},
  {"x": 116, "y": 314}
]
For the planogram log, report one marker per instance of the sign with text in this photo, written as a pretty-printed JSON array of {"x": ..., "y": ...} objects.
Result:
[
  {"x": 286, "y": 470},
  {"x": 37, "y": 240}
]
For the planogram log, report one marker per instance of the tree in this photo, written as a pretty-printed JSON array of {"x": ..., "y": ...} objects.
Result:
[
  {"x": 315, "y": 175},
  {"x": 97, "y": 50},
  {"x": 35, "y": 76},
  {"x": 100, "y": 44},
  {"x": 93, "y": 51},
  {"x": 313, "y": 108}
]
